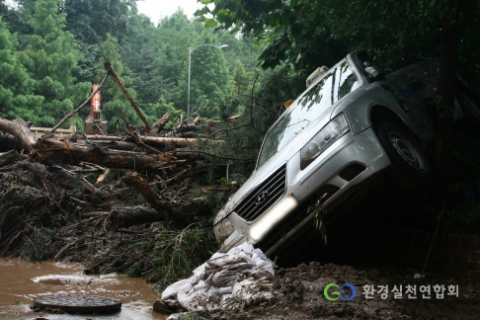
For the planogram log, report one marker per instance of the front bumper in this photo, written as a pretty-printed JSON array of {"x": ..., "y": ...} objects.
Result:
[{"x": 342, "y": 169}]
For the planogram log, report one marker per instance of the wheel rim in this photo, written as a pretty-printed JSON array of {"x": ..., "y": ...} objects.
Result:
[{"x": 408, "y": 153}]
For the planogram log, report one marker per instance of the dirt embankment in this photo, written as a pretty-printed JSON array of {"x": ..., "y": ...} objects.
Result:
[{"x": 301, "y": 296}]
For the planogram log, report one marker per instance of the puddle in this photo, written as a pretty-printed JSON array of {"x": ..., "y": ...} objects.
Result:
[{"x": 21, "y": 281}]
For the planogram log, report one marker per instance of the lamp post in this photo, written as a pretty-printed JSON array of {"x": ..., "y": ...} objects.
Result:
[{"x": 190, "y": 50}]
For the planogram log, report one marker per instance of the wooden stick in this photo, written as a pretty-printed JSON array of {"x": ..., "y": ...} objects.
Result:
[{"x": 117, "y": 80}]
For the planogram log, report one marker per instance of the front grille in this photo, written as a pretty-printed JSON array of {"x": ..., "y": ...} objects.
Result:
[{"x": 263, "y": 196}]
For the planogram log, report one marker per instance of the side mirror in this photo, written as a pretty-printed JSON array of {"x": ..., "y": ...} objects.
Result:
[{"x": 375, "y": 73}]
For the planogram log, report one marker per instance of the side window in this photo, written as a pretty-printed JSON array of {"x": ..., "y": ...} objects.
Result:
[{"x": 347, "y": 81}]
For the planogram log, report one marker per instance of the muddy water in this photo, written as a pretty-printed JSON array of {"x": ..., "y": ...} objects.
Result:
[{"x": 21, "y": 281}]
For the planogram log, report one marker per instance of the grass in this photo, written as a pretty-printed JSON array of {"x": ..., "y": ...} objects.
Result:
[{"x": 176, "y": 254}]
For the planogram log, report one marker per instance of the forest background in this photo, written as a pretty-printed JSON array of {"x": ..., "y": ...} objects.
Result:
[{"x": 52, "y": 51}]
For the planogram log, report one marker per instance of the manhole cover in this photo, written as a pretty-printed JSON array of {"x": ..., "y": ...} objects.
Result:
[{"x": 77, "y": 303}]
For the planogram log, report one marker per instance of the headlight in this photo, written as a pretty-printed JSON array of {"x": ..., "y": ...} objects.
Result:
[
  {"x": 223, "y": 230},
  {"x": 323, "y": 139}
]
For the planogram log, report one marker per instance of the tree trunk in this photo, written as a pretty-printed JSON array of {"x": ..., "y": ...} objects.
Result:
[
  {"x": 129, "y": 216},
  {"x": 64, "y": 152},
  {"x": 448, "y": 83},
  {"x": 18, "y": 128}
]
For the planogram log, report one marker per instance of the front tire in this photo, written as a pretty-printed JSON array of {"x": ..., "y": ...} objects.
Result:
[{"x": 410, "y": 169}]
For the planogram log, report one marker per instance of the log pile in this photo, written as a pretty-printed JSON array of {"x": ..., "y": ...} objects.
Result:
[{"x": 148, "y": 160}]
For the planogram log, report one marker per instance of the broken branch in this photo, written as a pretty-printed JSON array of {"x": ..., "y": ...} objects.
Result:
[{"x": 117, "y": 80}]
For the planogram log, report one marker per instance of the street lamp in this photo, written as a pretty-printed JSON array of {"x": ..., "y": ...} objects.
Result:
[{"x": 190, "y": 50}]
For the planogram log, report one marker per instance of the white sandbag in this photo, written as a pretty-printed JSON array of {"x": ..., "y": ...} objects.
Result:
[
  {"x": 172, "y": 290},
  {"x": 252, "y": 291},
  {"x": 239, "y": 273}
]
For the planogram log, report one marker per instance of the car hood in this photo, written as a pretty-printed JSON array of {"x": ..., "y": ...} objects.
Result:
[{"x": 276, "y": 161}]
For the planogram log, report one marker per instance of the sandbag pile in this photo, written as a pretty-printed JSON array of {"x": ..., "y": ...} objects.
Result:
[{"x": 242, "y": 276}]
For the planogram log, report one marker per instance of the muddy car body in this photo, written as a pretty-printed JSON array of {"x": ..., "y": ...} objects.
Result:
[{"x": 349, "y": 126}]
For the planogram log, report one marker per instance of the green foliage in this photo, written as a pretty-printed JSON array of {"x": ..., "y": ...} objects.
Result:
[
  {"x": 297, "y": 33},
  {"x": 85, "y": 70},
  {"x": 176, "y": 254},
  {"x": 57, "y": 44},
  {"x": 209, "y": 81},
  {"x": 91, "y": 20},
  {"x": 240, "y": 79},
  {"x": 16, "y": 86},
  {"x": 155, "y": 110},
  {"x": 316, "y": 208},
  {"x": 303, "y": 34},
  {"x": 144, "y": 60},
  {"x": 50, "y": 57},
  {"x": 224, "y": 182}
]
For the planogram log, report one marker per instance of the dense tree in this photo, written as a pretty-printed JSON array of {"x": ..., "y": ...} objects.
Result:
[
  {"x": 174, "y": 36},
  {"x": 143, "y": 56},
  {"x": 3, "y": 9},
  {"x": 210, "y": 81},
  {"x": 295, "y": 34},
  {"x": 91, "y": 20},
  {"x": 16, "y": 86},
  {"x": 152, "y": 61},
  {"x": 240, "y": 79},
  {"x": 158, "y": 61},
  {"x": 50, "y": 57},
  {"x": 304, "y": 33}
]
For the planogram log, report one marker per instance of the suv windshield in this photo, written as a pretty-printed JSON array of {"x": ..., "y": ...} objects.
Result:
[{"x": 337, "y": 82}]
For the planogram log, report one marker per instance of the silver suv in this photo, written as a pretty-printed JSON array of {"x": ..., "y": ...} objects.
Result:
[{"x": 350, "y": 124}]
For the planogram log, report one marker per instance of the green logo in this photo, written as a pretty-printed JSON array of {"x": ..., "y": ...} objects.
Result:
[{"x": 340, "y": 292}]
